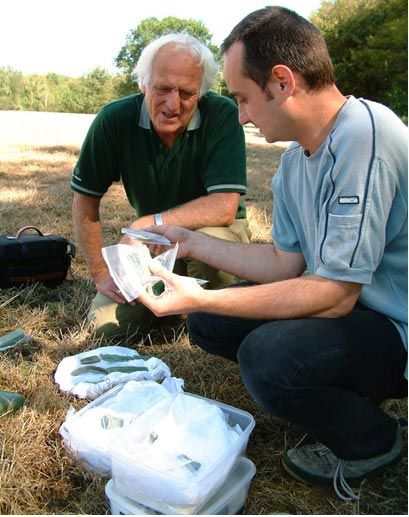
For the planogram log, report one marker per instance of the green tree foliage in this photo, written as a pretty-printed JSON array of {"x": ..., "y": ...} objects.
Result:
[
  {"x": 148, "y": 30},
  {"x": 97, "y": 88},
  {"x": 35, "y": 94},
  {"x": 52, "y": 92},
  {"x": 367, "y": 41},
  {"x": 11, "y": 85}
]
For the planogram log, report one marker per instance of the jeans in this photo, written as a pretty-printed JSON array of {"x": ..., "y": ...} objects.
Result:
[{"x": 324, "y": 376}]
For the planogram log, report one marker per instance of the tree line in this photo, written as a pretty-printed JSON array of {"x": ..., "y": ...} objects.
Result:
[
  {"x": 53, "y": 92},
  {"x": 367, "y": 41}
]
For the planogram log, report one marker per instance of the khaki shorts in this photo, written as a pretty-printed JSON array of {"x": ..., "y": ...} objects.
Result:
[{"x": 113, "y": 319}]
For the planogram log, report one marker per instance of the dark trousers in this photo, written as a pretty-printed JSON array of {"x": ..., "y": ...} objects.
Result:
[{"x": 324, "y": 376}]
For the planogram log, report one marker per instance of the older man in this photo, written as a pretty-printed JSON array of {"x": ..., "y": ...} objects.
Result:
[{"x": 179, "y": 151}]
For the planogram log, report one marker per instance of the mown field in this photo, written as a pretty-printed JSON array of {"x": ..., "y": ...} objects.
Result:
[{"x": 37, "y": 475}]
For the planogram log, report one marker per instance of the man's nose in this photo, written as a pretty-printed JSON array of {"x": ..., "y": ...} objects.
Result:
[
  {"x": 173, "y": 101},
  {"x": 243, "y": 117}
]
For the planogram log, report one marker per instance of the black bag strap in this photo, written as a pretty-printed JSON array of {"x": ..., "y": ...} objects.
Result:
[
  {"x": 72, "y": 249},
  {"x": 22, "y": 230}
]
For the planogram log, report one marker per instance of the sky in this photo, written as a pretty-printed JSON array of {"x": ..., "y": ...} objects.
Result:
[{"x": 71, "y": 37}]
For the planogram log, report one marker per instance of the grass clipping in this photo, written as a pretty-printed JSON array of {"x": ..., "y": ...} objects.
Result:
[{"x": 37, "y": 475}]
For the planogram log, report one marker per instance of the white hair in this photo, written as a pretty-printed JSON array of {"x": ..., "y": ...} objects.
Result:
[{"x": 183, "y": 41}]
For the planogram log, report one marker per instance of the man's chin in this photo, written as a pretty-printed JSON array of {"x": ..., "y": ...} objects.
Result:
[
  {"x": 271, "y": 139},
  {"x": 170, "y": 126}
]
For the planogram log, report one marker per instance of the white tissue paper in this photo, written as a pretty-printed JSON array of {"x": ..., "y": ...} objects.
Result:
[{"x": 91, "y": 373}]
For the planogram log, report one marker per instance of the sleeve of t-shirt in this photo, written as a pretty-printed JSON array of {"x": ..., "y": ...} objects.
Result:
[
  {"x": 97, "y": 166},
  {"x": 358, "y": 197},
  {"x": 224, "y": 169}
]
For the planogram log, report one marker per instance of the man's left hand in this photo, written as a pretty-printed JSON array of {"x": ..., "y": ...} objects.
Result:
[{"x": 182, "y": 295}]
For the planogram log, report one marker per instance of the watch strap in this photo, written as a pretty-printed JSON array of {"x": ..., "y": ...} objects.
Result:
[{"x": 158, "y": 219}]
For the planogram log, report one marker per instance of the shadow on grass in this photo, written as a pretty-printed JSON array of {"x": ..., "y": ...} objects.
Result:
[{"x": 71, "y": 150}]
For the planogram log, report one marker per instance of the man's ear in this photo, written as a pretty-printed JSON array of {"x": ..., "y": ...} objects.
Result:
[{"x": 283, "y": 79}]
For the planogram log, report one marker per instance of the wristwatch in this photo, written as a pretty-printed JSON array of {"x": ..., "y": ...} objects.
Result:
[{"x": 158, "y": 219}]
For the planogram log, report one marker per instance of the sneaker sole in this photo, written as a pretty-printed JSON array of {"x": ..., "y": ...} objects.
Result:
[
  {"x": 306, "y": 477},
  {"x": 301, "y": 475}
]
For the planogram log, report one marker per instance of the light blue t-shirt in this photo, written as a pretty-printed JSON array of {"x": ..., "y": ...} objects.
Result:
[{"x": 345, "y": 206}]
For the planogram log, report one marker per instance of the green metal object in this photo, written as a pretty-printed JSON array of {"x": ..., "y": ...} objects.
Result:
[
  {"x": 113, "y": 358},
  {"x": 111, "y": 422},
  {"x": 192, "y": 466},
  {"x": 10, "y": 402},
  {"x": 12, "y": 339},
  {"x": 88, "y": 369},
  {"x": 90, "y": 359},
  {"x": 117, "y": 358},
  {"x": 126, "y": 369},
  {"x": 91, "y": 368}
]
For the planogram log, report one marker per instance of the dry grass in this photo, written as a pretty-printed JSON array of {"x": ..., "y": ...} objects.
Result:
[{"x": 37, "y": 476}]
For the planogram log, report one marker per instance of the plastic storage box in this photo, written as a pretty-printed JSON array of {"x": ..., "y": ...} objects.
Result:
[
  {"x": 141, "y": 482},
  {"x": 229, "y": 499},
  {"x": 89, "y": 443}
]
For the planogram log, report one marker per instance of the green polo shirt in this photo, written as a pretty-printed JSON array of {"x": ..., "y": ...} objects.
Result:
[{"x": 121, "y": 144}]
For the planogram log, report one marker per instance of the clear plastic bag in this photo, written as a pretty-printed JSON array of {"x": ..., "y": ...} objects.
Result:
[{"x": 129, "y": 267}]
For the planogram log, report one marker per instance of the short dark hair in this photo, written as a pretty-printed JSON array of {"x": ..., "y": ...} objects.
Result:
[{"x": 278, "y": 36}]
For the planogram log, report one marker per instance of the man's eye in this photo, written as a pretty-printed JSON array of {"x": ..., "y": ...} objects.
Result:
[{"x": 186, "y": 95}]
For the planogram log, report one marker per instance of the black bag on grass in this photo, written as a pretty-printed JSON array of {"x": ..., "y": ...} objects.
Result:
[{"x": 34, "y": 257}]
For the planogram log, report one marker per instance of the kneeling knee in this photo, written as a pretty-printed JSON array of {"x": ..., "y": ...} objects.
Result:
[
  {"x": 267, "y": 376},
  {"x": 101, "y": 325}
]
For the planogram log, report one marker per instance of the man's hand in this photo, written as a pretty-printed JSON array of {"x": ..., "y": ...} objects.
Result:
[
  {"x": 105, "y": 285},
  {"x": 181, "y": 295}
]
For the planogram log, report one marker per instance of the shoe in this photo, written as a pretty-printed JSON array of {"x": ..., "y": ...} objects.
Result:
[
  {"x": 10, "y": 402},
  {"x": 317, "y": 464}
]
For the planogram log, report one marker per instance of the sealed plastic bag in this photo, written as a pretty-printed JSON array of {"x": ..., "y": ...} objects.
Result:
[
  {"x": 188, "y": 438},
  {"x": 91, "y": 373},
  {"x": 89, "y": 432},
  {"x": 181, "y": 451},
  {"x": 129, "y": 267}
]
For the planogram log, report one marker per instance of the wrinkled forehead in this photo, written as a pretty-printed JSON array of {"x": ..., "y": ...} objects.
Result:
[
  {"x": 176, "y": 64},
  {"x": 172, "y": 54}
]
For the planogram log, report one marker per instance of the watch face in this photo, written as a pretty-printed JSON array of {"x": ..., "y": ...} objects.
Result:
[{"x": 146, "y": 237}]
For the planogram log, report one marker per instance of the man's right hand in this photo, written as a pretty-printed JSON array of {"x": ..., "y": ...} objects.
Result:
[{"x": 105, "y": 285}]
